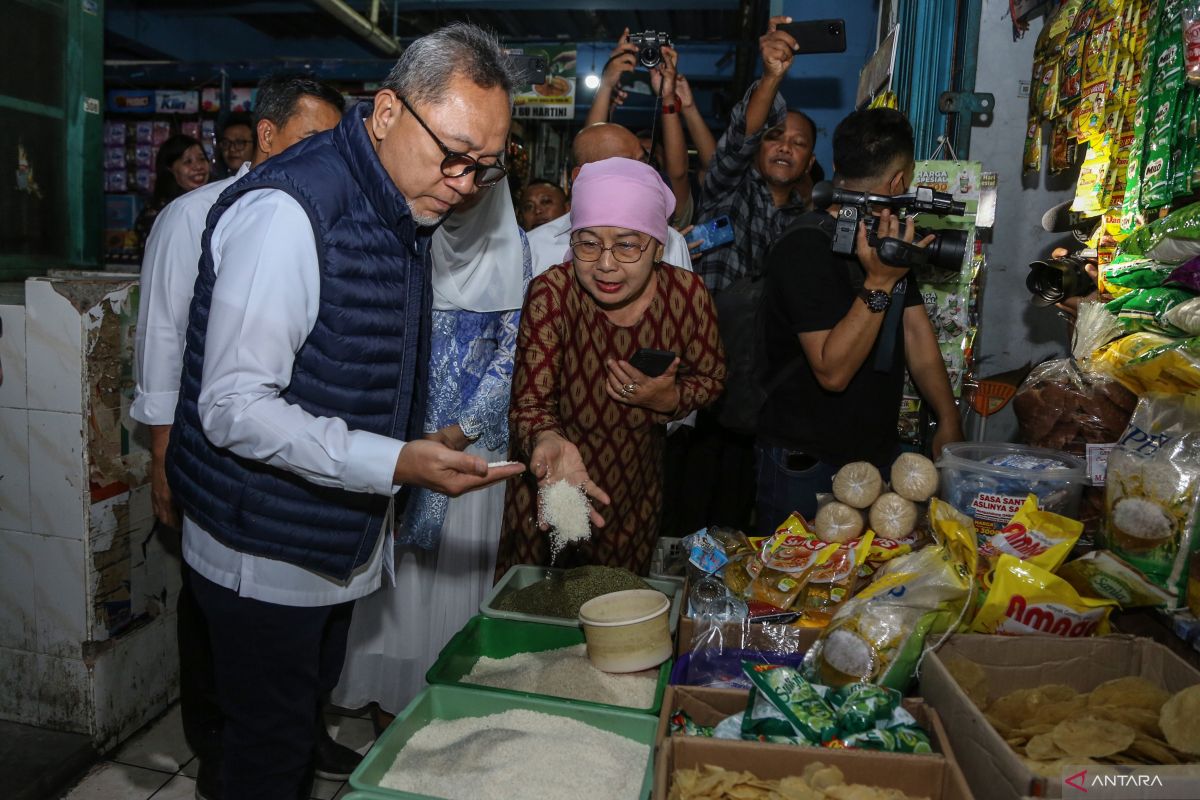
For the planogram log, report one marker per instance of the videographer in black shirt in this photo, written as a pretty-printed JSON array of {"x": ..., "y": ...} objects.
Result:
[{"x": 832, "y": 398}]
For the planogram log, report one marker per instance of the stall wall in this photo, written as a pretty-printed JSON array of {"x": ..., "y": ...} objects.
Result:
[
  {"x": 87, "y": 593},
  {"x": 1012, "y": 331}
]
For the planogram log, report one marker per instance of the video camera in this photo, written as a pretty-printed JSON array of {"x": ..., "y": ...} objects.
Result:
[
  {"x": 946, "y": 251},
  {"x": 650, "y": 45}
]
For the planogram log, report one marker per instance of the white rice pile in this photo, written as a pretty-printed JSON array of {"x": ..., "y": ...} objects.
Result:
[
  {"x": 518, "y": 755},
  {"x": 565, "y": 672},
  {"x": 565, "y": 509}
]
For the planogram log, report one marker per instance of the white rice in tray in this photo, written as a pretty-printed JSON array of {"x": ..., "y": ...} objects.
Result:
[
  {"x": 518, "y": 755},
  {"x": 565, "y": 672}
]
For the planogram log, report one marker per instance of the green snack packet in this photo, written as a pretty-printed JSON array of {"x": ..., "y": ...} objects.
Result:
[
  {"x": 784, "y": 688},
  {"x": 1145, "y": 309},
  {"x": 681, "y": 724},
  {"x": 1139, "y": 274},
  {"x": 903, "y": 739},
  {"x": 861, "y": 705}
]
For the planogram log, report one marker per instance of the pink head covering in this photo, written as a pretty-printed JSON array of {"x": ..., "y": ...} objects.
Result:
[{"x": 621, "y": 193}]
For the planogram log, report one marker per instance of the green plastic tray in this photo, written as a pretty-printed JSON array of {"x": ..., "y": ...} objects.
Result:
[
  {"x": 453, "y": 702},
  {"x": 521, "y": 575},
  {"x": 501, "y": 638}
]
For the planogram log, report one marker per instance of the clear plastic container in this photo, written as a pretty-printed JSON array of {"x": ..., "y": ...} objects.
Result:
[{"x": 988, "y": 481}]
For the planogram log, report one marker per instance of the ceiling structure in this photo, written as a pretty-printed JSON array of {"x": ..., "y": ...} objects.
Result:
[{"x": 214, "y": 30}]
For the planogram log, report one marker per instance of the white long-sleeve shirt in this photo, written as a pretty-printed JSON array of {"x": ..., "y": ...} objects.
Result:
[
  {"x": 264, "y": 306},
  {"x": 169, "y": 268}
]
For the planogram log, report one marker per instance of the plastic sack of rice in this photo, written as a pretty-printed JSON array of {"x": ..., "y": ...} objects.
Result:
[{"x": 1153, "y": 490}]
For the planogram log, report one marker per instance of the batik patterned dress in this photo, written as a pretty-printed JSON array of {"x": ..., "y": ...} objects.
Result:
[{"x": 558, "y": 385}]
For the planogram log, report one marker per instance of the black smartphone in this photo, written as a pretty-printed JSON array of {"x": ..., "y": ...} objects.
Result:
[
  {"x": 817, "y": 35},
  {"x": 652, "y": 362}
]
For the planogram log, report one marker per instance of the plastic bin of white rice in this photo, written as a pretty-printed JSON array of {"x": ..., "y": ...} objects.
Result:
[{"x": 518, "y": 755}]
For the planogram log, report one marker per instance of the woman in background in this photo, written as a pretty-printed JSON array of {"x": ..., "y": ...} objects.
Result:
[
  {"x": 179, "y": 167},
  {"x": 446, "y": 548}
]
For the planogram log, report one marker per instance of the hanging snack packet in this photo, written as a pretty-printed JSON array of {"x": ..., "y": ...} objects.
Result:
[
  {"x": 795, "y": 700},
  {"x": 1032, "y": 159},
  {"x": 1153, "y": 490},
  {"x": 1037, "y": 537},
  {"x": 1146, "y": 309},
  {"x": 1025, "y": 599},
  {"x": 1101, "y": 574},
  {"x": 1062, "y": 149},
  {"x": 878, "y": 635},
  {"x": 1071, "y": 73},
  {"x": 1092, "y": 176}
]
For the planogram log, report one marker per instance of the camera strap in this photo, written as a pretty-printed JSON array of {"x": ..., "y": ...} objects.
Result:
[{"x": 892, "y": 322}]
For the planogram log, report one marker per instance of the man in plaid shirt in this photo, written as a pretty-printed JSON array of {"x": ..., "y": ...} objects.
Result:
[{"x": 759, "y": 175}]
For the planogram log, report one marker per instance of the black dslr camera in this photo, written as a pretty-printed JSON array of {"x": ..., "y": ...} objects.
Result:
[
  {"x": 946, "y": 251},
  {"x": 650, "y": 45},
  {"x": 1056, "y": 279}
]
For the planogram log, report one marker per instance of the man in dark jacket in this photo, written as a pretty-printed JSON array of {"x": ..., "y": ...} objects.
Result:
[{"x": 300, "y": 404}]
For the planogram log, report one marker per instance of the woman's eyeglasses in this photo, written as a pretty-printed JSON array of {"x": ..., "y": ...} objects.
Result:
[
  {"x": 456, "y": 164},
  {"x": 625, "y": 252}
]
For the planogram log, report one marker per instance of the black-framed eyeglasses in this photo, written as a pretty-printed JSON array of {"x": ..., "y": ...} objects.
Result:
[
  {"x": 236, "y": 144},
  {"x": 625, "y": 252},
  {"x": 456, "y": 164}
]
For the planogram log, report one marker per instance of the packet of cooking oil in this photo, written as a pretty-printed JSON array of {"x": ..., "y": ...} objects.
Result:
[
  {"x": 1025, "y": 599},
  {"x": 1037, "y": 537},
  {"x": 788, "y": 557},
  {"x": 792, "y": 697},
  {"x": 831, "y": 584}
]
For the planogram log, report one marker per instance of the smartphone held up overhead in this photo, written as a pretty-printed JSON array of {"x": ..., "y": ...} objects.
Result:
[{"x": 817, "y": 35}]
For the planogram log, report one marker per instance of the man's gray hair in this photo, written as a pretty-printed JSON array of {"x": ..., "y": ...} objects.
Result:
[{"x": 424, "y": 70}]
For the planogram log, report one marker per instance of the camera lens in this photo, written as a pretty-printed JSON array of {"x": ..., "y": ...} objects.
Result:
[
  {"x": 1056, "y": 280},
  {"x": 947, "y": 251},
  {"x": 649, "y": 56}
]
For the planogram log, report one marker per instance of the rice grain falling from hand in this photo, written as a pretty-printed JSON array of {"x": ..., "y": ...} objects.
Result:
[{"x": 565, "y": 509}]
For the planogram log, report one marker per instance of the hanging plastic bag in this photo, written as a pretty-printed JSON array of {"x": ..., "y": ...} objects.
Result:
[{"x": 1153, "y": 491}]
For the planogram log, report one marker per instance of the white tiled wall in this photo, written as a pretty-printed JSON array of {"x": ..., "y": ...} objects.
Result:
[
  {"x": 12, "y": 357},
  {"x": 53, "y": 342},
  {"x": 59, "y": 596},
  {"x": 45, "y": 550},
  {"x": 18, "y": 628},
  {"x": 14, "y": 469},
  {"x": 57, "y": 484}
]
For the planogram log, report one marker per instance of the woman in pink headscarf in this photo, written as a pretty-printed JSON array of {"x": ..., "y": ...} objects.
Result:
[{"x": 581, "y": 412}]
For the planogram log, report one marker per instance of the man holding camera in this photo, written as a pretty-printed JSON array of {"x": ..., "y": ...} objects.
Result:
[{"x": 836, "y": 346}]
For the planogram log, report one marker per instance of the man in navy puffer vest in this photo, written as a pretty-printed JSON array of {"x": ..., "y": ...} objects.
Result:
[{"x": 302, "y": 383}]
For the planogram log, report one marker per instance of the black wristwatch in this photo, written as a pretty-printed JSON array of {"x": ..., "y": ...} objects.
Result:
[{"x": 877, "y": 301}]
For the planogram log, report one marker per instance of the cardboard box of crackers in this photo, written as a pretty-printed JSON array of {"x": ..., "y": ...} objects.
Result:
[{"x": 1027, "y": 712}]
